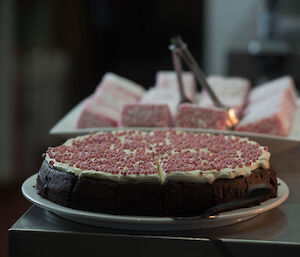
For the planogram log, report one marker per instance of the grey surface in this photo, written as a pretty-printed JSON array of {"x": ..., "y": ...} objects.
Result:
[{"x": 273, "y": 232}]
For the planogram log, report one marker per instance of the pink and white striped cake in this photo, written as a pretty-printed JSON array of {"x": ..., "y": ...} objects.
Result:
[
  {"x": 103, "y": 109},
  {"x": 193, "y": 116},
  {"x": 161, "y": 96},
  {"x": 146, "y": 115},
  {"x": 96, "y": 114},
  {"x": 112, "y": 83},
  {"x": 280, "y": 85},
  {"x": 168, "y": 80},
  {"x": 273, "y": 115},
  {"x": 231, "y": 91},
  {"x": 155, "y": 109}
]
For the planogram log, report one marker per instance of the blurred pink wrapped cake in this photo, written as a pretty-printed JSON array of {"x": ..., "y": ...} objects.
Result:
[
  {"x": 103, "y": 108},
  {"x": 146, "y": 115},
  {"x": 194, "y": 116},
  {"x": 271, "y": 108},
  {"x": 231, "y": 91}
]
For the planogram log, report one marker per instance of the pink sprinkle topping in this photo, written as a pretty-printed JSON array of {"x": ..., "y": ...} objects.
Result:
[{"x": 140, "y": 152}]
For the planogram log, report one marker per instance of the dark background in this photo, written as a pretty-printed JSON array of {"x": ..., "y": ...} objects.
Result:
[{"x": 130, "y": 38}]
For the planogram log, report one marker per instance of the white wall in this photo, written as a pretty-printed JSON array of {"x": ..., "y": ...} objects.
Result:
[{"x": 227, "y": 23}]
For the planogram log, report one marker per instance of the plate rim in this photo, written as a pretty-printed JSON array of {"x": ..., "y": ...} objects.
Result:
[{"x": 44, "y": 203}]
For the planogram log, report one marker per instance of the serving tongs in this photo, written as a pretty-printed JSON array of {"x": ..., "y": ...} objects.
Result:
[
  {"x": 253, "y": 196},
  {"x": 179, "y": 50}
]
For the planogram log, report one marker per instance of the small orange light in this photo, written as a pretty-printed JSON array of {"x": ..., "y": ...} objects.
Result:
[{"x": 232, "y": 119}]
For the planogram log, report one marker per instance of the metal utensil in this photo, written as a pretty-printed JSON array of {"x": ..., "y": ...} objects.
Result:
[
  {"x": 254, "y": 195},
  {"x": 179, "y": 48},
  {"x": 178, "y": 68}
]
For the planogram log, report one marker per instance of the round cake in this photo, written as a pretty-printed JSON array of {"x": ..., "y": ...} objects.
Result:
[{"x": 157, "y": 173}]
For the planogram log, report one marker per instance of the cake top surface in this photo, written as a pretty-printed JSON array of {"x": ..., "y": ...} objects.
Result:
[{"x": 159, "y": 155}]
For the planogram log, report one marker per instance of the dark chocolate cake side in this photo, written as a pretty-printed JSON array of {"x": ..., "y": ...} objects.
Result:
[
  {"x": 145, "y": 198},
  {"x": 55, "y": 185}
]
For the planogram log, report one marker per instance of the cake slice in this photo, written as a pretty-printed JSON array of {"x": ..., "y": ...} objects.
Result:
[
  {"x": 168, "y": 80},
  {"x": 216, "y": 168},
  {"x": 193, "y": 116},
  {"x": 114, "y": 98},
  {"x": 145, "y": 115},
  {"x": 273, "y": 115},
  {"x": 276, "y": 86},
  {"x": 156, "y": 109},
  {"x": 96, "y": 113},
  {"x": 231, "y": 91},
  {"x": 112, "y": 82},
  {"x": 161, "y": 96},
  {"x": 166, "y": 90},
  {"x": 271, "y": 108},
  {"x": 103, "y": 109}
]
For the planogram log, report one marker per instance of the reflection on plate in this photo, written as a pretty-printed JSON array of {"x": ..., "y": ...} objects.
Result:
[{"x": 151, "y": 223}]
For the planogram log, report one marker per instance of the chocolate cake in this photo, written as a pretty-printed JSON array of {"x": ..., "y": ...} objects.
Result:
[{"x": 157, "y": 173}]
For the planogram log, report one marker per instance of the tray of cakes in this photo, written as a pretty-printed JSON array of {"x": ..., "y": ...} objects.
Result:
[{"x": 268, "y": 113}]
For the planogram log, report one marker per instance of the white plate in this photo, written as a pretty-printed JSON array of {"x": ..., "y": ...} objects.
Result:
[{"x": 152, "y": 223}]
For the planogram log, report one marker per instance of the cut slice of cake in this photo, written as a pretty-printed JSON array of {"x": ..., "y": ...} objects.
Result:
[
  {"x": 194, "y": 116},
  {"x": 145, "y": 115},
  {"x": 231, "y": 91},
  {"x": 96, "y": 113},
  {"x": 168, "y": 80},
  {"x": 280, "y": 85},
  {"x": 103, "y": 109},
  {"x": 271, "y": 108},
  {"x": 113, "y": 82},
  {"x": 161, "y": 96},
  {"x": 273, "y": 116}
]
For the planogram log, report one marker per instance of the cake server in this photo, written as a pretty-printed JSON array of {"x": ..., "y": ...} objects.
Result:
[
  {"x": 180, "y": 50},
  {"x": 254, "y": 195}
]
